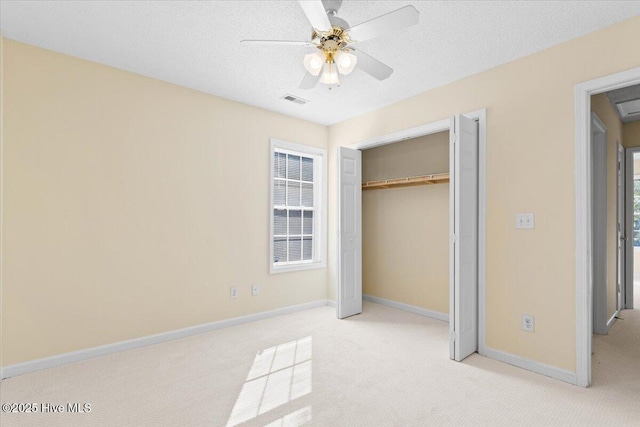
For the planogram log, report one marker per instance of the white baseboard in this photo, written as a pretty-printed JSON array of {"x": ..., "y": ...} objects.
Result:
[
  {"x": 332, "y": 303},
  {"x": 611, "y": 321},
  {"x": 89, "y": 353},
  {"x": 406, "y": 307},
  {"x": 532, "y": 365}
]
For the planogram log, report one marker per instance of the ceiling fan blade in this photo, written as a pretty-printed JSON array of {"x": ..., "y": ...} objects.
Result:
[
  {"x": 372, "y": 66},
  {"x": 309, "y": 81},
  {"x": 384, "y": 24},
  {"x": 277, "y": 42},
  {"x": 316, "y": 14}
]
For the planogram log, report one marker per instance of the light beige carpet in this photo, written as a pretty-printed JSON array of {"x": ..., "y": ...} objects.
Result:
[{"x": 384, "y": 367}]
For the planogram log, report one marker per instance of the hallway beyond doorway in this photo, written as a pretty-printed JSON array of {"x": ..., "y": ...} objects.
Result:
[{"x": 616, "y": 356}]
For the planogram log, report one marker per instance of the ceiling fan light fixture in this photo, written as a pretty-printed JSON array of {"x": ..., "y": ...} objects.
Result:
[
  {"x": 330, "y": 74},
  {"x": 332, "y": 36},
  {"x": 345, "y": 61},
  {"x": 313, "y": 62}
]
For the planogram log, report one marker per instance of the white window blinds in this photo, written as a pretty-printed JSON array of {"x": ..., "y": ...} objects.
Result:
[{"x": 293, "y": 209}]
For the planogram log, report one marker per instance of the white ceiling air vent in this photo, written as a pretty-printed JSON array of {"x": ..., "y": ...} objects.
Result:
[
  {"x": 294, "y": 99},
  {"x": 629, "y": 108}
]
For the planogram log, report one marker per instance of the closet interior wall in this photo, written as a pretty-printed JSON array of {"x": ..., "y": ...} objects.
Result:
[{"x": 405, "y": 231}]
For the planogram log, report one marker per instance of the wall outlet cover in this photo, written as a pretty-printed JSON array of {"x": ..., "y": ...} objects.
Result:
[
  {"x": 525, "y": 221},
  {"x": 234, "y": 292},
  {"x": 255, "y": 290},
  {"x": 528, "y": 323}
]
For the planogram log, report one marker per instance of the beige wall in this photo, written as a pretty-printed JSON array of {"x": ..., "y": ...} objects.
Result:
[
  {"x": 605, "y": 111},
  {"x": 530, "y": 168},
  {"x": 131, "y": 206},
  {"x": 631, "y": 134},
  {"x": 418, "y": 156},
  {"x": 405, "y": 250}
]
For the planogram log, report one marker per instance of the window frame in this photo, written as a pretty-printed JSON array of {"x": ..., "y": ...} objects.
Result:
[{"x": 319, "y": 156}]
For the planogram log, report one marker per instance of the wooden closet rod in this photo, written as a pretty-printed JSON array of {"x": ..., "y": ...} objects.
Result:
[{"x": 437, "y": 178}]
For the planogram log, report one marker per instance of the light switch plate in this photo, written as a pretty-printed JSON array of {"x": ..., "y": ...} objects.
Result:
[
  {"x": 255, "y": 290},
  {"x": 525, "y": 221}
]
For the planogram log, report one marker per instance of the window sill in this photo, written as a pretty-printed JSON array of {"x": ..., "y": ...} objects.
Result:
[{"x": 296, "y": 267}]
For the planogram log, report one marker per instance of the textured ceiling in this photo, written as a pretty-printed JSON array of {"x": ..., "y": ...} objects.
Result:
[
  {"x": 622, "y": 95},
  {"x": 196, "y": 44}
]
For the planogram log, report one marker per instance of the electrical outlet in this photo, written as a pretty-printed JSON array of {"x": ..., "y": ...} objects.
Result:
[
  {"x": 255, "y": 290},
  {"x": 525, "y": 220},
  {"x": 528, "y": 323},
  {"x": 234, "y": 292}
]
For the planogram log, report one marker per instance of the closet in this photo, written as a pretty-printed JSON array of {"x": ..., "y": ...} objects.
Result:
[{"x": 405, "y": 223}]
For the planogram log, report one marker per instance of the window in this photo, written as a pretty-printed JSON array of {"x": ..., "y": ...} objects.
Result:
[{"x": 298, "y": 207}]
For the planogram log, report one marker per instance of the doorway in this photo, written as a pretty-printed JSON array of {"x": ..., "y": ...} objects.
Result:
[
  {"x": 405, "y": 225},
  {"x": 585, "y": 219},
  {"x": 467, "y": 227}
]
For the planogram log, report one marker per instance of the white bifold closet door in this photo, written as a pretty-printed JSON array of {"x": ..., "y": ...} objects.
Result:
[
  {"x": 349, "y": 232},
  {"x": 463, "y": 259}
]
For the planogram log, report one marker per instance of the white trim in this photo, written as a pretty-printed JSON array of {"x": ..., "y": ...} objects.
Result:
[
  {"x": 600, "y": 126},
  {"x": 406, "y": 307},
  {"x": 332, "y": 303},
  {"x": 414, "y": 132},
  {"x": 583, "y": 93},
  {"x": 298, "y": 266},
  {"x": 532, "y": 365},
  {"x": 296, "y": 148},
  {"x": 89, "y": 353},
  {"x": 320, "y": 215},
  {"x": 598, "y": 147},
  {"x": 441, "y": 126},
  {"x": 612, "y": 320},
  {"x": 453, "y": 337},
  {"x": 482, "y": 229},
  {"x": 621, "y": 221}
]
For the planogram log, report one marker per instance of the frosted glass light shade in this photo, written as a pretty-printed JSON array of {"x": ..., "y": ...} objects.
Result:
[
  {"x": 313, "y": 62},
  {"x": 330, "y": 74},
  {"x": 345, "y": 61}
]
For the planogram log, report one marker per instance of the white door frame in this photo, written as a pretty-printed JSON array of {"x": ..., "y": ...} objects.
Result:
[
  {"x": 627, "y": 296},
  {"x": 441, "y": 126},
  {"x": 598, "y": 144},
  {"x": 621, "y": 234},
  {"x": 584, "y": 284}
]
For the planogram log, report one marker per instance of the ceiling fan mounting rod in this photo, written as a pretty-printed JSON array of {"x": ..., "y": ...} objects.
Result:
[{"x": 332, "y": 6}]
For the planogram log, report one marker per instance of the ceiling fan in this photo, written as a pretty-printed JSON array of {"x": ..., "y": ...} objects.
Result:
[{"x": 334, "y": 38}]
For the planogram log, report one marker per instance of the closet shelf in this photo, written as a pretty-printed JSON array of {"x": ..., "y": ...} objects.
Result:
[{"x": 438, "y": 178}]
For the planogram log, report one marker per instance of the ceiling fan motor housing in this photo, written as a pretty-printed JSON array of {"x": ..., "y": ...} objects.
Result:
[{"x": 335, "y": 39}]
